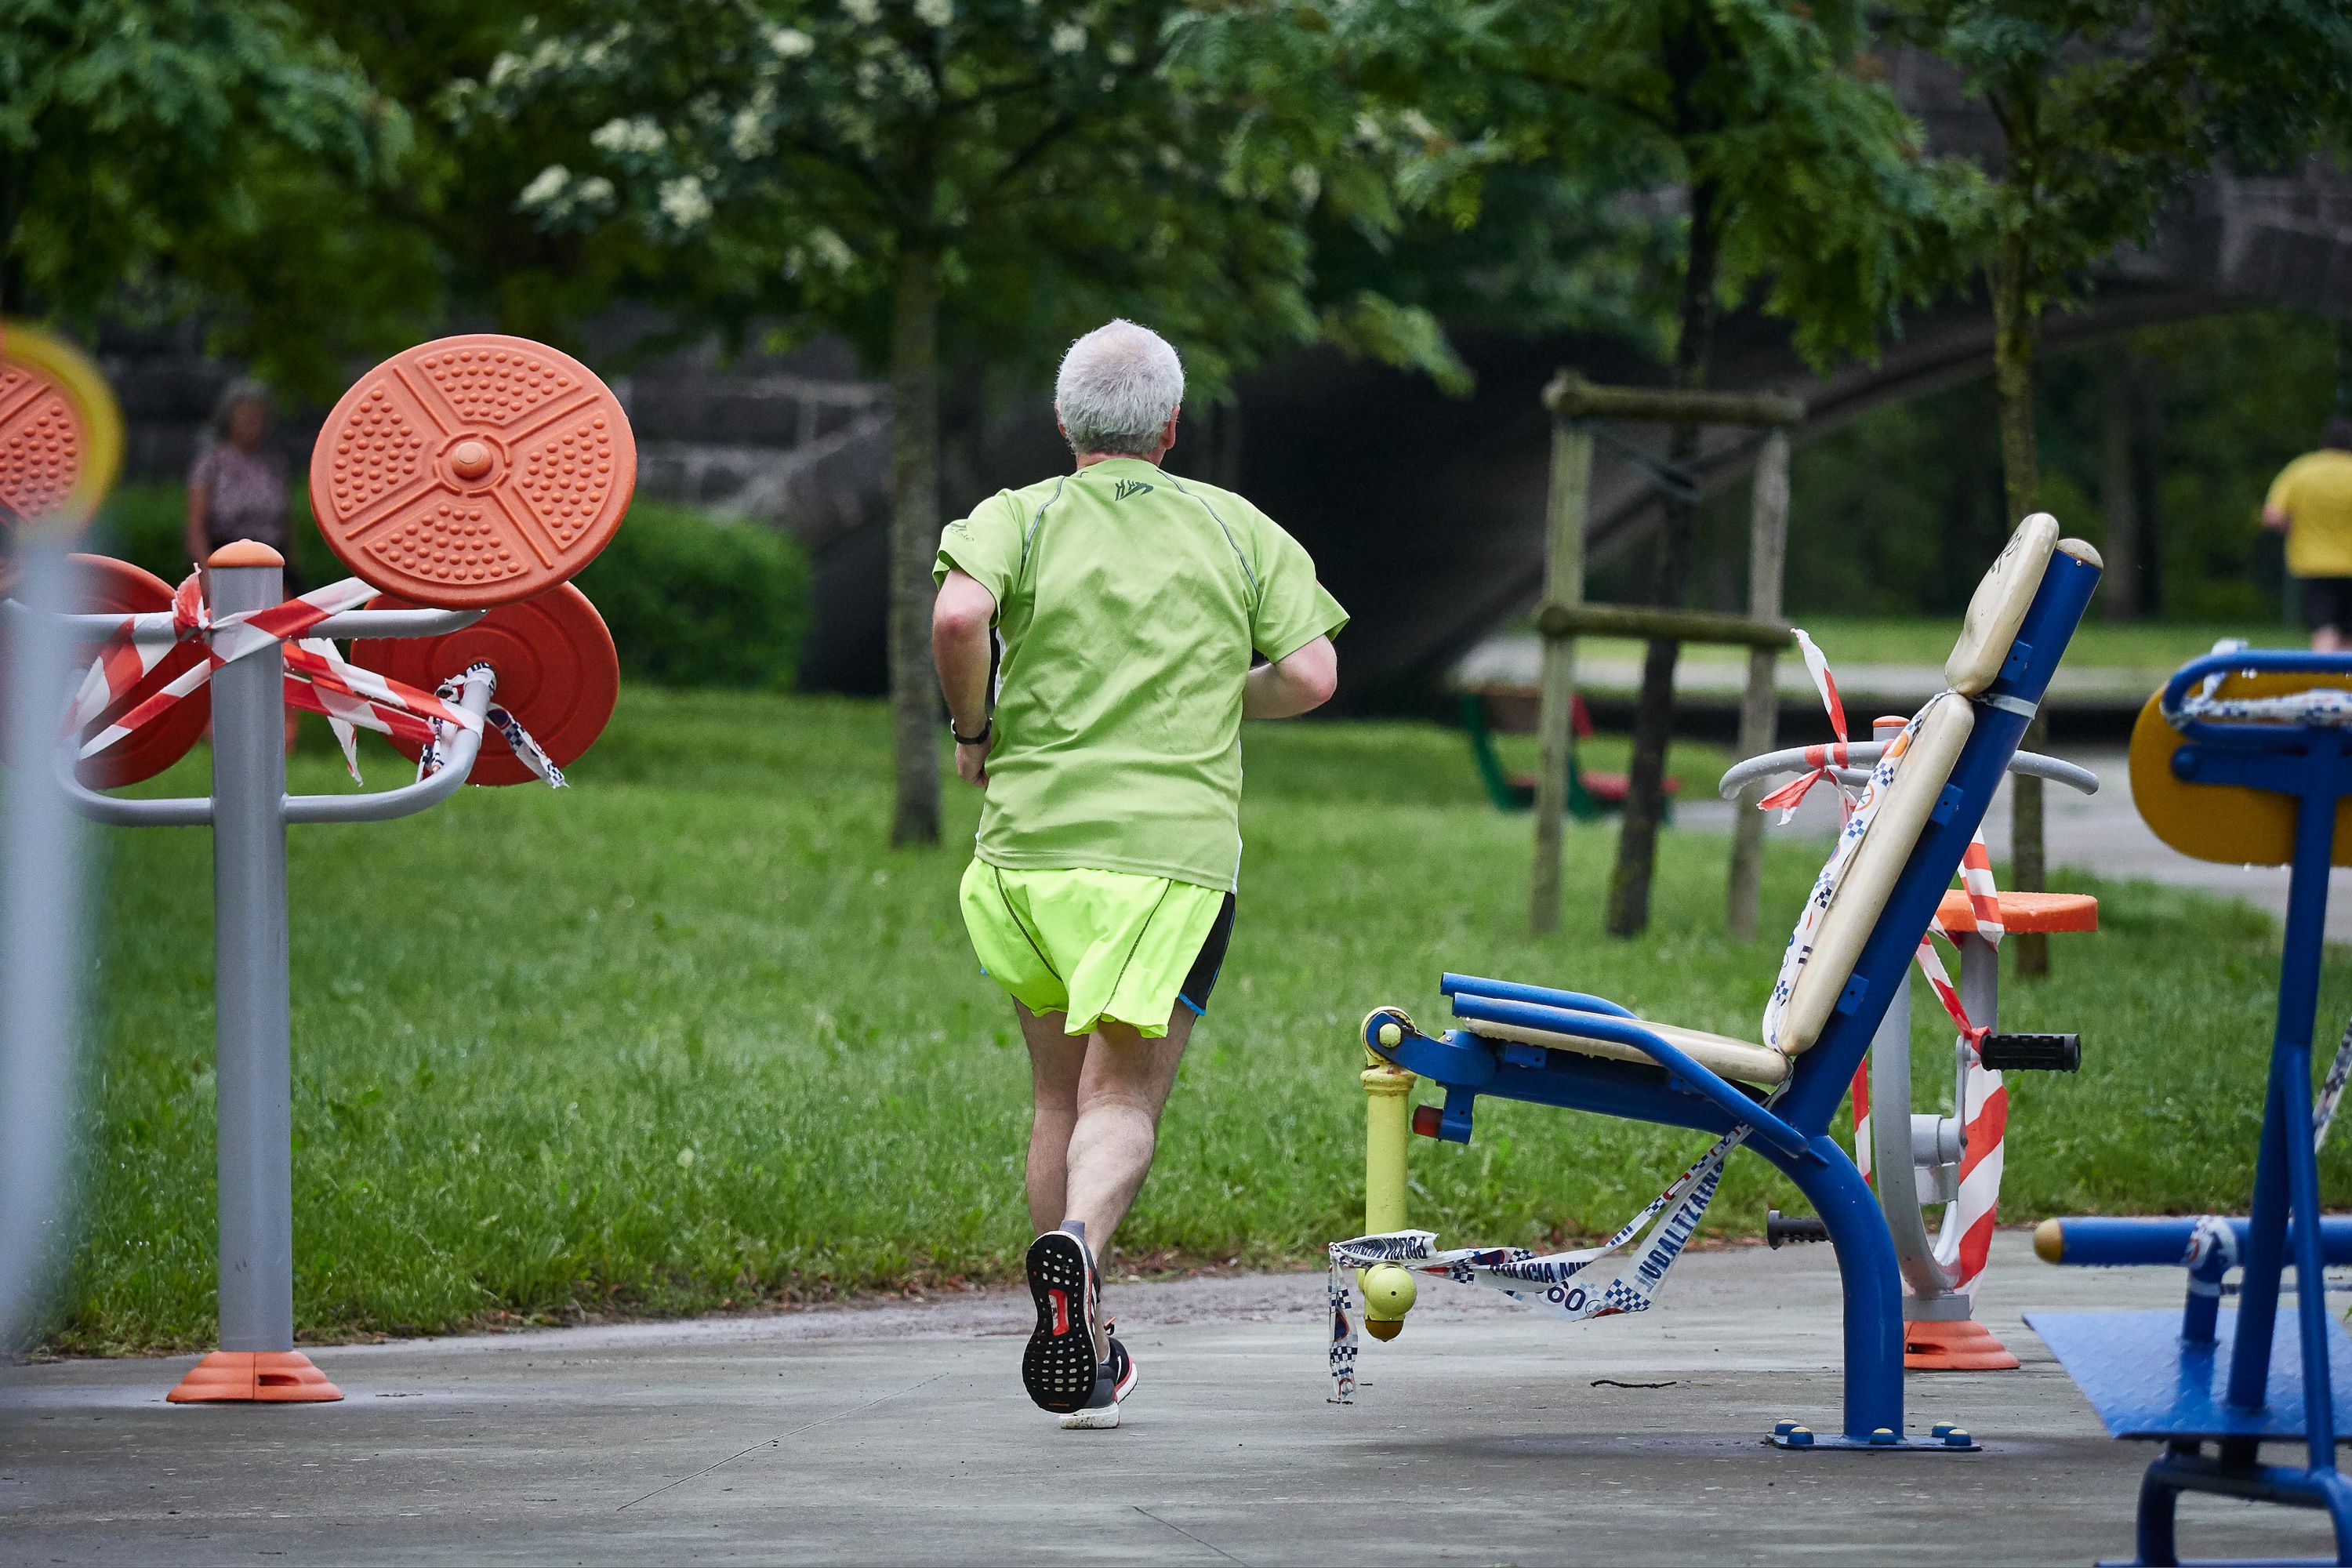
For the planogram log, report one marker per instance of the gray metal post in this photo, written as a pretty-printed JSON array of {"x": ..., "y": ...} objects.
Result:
[{"x": 252, "y": 1059}]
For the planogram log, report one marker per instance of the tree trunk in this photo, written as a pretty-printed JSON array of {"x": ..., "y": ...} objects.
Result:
[
  {"x": 1653, "y": 713},
  {"x": 915, "y": 705},
  {"x": 2119, "y": 490},
  {"x": 2014, "y": 332}
]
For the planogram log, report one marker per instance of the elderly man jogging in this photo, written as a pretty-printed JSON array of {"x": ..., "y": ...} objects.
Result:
[{"x": 1130, "y": 606}]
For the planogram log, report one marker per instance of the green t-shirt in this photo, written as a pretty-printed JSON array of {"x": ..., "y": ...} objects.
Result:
[{"x": 1128, "y": 602}]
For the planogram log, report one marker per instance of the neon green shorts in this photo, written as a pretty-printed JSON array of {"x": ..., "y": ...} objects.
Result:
[{"x": 1095, "y": 944}]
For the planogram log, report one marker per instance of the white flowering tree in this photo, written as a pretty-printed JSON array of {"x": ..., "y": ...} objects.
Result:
[{"x": 1005, "y": 172}]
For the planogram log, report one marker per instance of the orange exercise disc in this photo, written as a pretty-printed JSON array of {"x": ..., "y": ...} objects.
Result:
[
  {"x": 473, "y": 471},
  {"x": 558, "y": 674},
  {"x": 61, "y": 432},
  {"x": 102, "y": 586}
]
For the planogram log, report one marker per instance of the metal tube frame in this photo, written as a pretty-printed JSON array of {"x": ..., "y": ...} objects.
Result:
[{"x": 249, "y": 812}]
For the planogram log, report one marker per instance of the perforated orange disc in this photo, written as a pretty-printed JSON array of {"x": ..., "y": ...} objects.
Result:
[
  {"x": 473, "y": 471},
  {"x": 102, "y": 586},
  {"x": 61, "y": 434},
  {"x": 558, "y": 674}
]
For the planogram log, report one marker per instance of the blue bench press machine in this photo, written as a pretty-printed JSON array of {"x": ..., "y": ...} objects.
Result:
[{"x": 1567, "y": 1049}]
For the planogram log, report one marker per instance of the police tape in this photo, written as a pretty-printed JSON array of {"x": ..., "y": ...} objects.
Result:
[
  {"x": 1539, "y": 1281},
  {"x": 318, "y": 678}
]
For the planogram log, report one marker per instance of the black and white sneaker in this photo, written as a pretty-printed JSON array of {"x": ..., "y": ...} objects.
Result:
[
  {"x": 1058, "y": 1368},
  {"x": 1114, "y": 1381}
]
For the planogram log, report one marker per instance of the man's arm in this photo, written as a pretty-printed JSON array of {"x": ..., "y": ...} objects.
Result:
[
  {"x": 961, "y": 618},
  {"x": 2275, "y": 517},
  {"x": 1293, "y": 684}
]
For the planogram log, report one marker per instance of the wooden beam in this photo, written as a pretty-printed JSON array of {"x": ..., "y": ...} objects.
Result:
[
  {"x": 1558, "y": 620},
  {"x": 1571, "y": 397},
  {"x": 1760, "y": 706},
  {"x": 1565, "y": 520}
]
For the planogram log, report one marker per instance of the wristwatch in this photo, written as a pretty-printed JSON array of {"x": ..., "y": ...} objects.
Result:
[{"x": 985, "y": 731}]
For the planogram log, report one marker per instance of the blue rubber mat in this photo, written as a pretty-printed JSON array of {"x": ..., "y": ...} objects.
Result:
[{"x": 2144, "y": 1382}]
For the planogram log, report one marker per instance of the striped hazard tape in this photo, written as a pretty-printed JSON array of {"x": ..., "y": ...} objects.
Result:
[
  {"x": 318, "y": 679},
  {"x": 1984, "y": 1102}
]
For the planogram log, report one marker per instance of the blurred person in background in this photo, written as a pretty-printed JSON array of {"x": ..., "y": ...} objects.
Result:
[
  {"x": 2311, "y": 501},
  {"x": 236, "y": 486},
  {"x": 236, "y": 489}
]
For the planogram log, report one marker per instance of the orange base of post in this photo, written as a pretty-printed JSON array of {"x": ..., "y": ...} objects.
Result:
[
  {"x": 269, "y": 1377},
  {"x": 1961, "y": 1346}
]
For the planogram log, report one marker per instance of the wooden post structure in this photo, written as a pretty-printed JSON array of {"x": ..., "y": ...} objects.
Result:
[
  {"x": 1571, "y": 489},
  {"x": 1576, "y": 405},
  {"x": 1760, "y": 706}
]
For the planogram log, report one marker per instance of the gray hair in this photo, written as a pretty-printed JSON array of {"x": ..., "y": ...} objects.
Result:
[
  {"x": 1116, "y": 388},
  {"x": 233, "y": 397}
]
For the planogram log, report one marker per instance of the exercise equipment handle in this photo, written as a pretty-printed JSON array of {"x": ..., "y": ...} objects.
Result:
[
  {"x": 379, "y": 806},
  {"x": 384, "y": 805},
  {"x": 2244, "y": 661},
  {"x": 1781, "y": 1229},
  {"x": 350, "y": 624},
  {"x": 2031, "y": 1053},
  {"x": 1793, "y": 760}
]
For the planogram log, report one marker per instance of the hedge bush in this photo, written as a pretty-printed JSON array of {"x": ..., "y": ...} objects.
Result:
[
  {"x": 692, "y": 599},
  {"x": 695, "y": 600}
]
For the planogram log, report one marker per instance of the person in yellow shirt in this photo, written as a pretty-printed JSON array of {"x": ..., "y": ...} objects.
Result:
[{"x": 2312, "y": 500}]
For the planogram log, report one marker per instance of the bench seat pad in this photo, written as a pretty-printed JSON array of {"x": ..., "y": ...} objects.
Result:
[{"x": 1742, "y": 1060}]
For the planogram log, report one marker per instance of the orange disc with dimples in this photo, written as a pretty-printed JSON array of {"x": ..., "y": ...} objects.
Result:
[
  {"x": 558, "y": 675},
  {"x": 473, "y": 471}
]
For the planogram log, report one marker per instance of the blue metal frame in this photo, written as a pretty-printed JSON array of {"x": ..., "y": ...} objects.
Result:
[
  {"x": 2313, "y": 765},
  {"x": 1793, "y": 1134}
]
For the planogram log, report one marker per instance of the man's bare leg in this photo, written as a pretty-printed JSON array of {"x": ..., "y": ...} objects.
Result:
[
  {"x": 1055, "y": 1061},
  {"x": 1121, "y": 1091},
  {"x": 2326, "y": 639}
]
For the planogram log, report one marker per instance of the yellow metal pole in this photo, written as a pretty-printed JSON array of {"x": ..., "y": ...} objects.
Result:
[{"x": 1388, "y": 1289}]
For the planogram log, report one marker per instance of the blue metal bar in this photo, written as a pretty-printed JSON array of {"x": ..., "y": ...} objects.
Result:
[
  {"x": 2279, "y": 1176},
  {"x": 1450, "y": 984},
  {"x": 2102, "y": 1242},
  {"x": 2184, "y": 1469},
  {"x": 1630, "y": 1032},
  {"x": 1819, "y": 1084},
  {"x": 1869, "y": 1276},
  {"x": 1631, "y": 1092},
  {"x": 2254, "y": 661}
]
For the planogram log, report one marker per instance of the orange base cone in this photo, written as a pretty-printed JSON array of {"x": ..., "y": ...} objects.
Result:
[
  {"x": 1961, "y": 1346},
  {"x": 269, "y": 1377}
]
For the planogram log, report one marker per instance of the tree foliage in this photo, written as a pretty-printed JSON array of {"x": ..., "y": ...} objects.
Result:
[
  {"x": 163, "y": 153},
  {"x": 998, "y": 174}
]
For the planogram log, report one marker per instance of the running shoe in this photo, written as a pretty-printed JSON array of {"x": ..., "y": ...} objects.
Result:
[
  {"x": 1114, "y": 1381},
  {"x": 1058, "y": 1368}
]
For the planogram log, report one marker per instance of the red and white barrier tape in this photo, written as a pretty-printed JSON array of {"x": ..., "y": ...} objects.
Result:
[
  {"x": 1820, "y": 760},
  {"x": 1984, "y": 1102}
]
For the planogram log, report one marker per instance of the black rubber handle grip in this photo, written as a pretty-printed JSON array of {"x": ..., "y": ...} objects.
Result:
[
  {"x": 2032, "y": 1053},
  {"x": 1779, "y": 1230}
]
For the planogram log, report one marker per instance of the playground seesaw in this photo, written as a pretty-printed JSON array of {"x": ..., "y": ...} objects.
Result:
[{"x": 1845, "y": 966}]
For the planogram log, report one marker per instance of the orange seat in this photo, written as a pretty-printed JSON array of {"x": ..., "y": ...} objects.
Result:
[{"x": 2023, "y": 913}]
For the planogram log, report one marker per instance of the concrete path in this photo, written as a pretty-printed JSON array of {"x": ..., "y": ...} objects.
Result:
[{"x": 1485, "y": 1435}]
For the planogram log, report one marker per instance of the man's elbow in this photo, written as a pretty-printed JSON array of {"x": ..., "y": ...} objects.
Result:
[
  {"x": 958, "y": 619},
  {"x": 1314, "y": 674}
]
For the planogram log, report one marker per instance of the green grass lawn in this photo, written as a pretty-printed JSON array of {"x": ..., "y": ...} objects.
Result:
[
  {"x": 1849, "y": 640},
  {"x": 688, "y": 1035}
]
